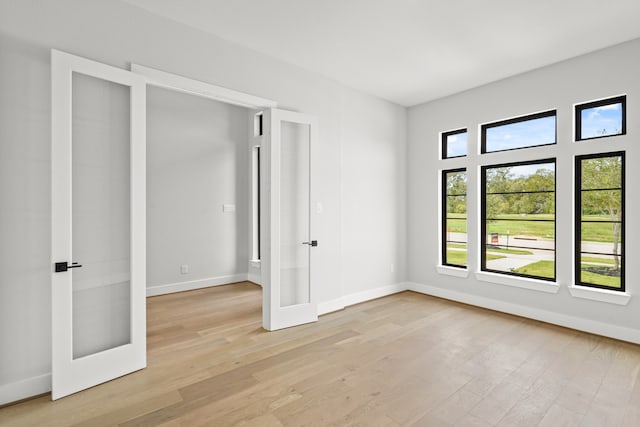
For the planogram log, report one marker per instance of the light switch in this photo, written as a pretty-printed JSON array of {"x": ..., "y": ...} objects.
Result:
[
  {"x": 319, "y": 207},
  {"x": 228, "y": 208}
]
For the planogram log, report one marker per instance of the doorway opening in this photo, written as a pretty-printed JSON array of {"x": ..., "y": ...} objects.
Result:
[{"x": 188, "y": 135}]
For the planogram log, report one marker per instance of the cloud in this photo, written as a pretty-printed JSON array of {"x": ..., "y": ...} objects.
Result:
[
  {"x": 595, "y": 113},
  {"x": 614, "y": 107}
]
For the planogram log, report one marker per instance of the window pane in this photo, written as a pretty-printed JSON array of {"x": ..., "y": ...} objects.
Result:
[
  {"x": 600, "y": 232},
  {"x": 602, "y": 205},
  {"x": 456, "y": 254},
  {"x": 601, "y": 118},
  {"x": 255, "y": 203},
  {"x": 601, "y": 270},
  {"x": 295, "y": 149},
  {"x": 525, "y": 234},
  {"x": 519, "y": 219},
  {"x": 518, "y": 178},
  {"x": 543, "y": 269},
  {"x": 454, "y": 227},
  {"x": 529, "y": 131},
  {"x": 457, "y": 145},
  {"x": 454, "y": 144},
  {"x": 456, "y": 205},
  {"x": 601, "y": 237},
  {"x": 512, "y": 249},
  {"x": 601, "y": 172},
  {"x": 456, "y": 183},
  {"x": 527, "y": 206},
  {"x": 101, "y": 210}
]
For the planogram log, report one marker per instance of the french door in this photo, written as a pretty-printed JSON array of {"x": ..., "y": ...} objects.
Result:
[
  {"x": 98, "y": 221},
  {"x": 289, "y": 297}
]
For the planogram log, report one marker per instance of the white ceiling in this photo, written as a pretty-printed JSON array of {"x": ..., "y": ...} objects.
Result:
[{"x": 412, "y": 51}]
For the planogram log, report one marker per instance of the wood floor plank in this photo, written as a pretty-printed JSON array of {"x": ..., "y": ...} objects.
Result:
[{"x": 407, "y": 359}]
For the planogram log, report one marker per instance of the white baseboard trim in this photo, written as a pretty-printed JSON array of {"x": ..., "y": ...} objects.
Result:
[
  {"x": 255, "y": 278},
  {"x": 195, "y": 284},
  {"x": 370, "y": 294},
  {"x": 326, "y": 307},
  {"x": 577, "y": 323},
  {"x": 358, "y": 297},
  {"x": 25, "y": 388}
]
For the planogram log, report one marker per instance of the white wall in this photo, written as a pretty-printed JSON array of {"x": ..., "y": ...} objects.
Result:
[
  {"x": 601, "y": 74},
  {"x": 373, "y": 193},
  {"x": 353, "y": 127},
  {"x": 197, "y": 161}
]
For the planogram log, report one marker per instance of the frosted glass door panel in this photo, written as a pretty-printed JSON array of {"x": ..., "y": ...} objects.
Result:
[
  {"x": 294, "y": 213},
  {"x": 101, "y": 237}
]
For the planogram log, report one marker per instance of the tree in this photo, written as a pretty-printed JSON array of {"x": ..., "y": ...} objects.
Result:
[
  {"x": 456, "y": 192},
  {"x": 539, "y": 203},
  {"x": 602, "y": 177},
  {"x": 498, "y": 180}
]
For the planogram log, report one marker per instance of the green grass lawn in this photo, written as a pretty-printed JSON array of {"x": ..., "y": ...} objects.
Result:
[
  {"x": 599, "y": 279},
  {"x": 457, "y": 223},
  {"x": 538, "y": 268},
  {"x": 545, "y": 269},
  {"x": 592, "y": 232},
  {"x": 595, "y": 231},
  {"x": 598, "y": 260},
  {"x": 457, "y": 245},
  {"x": 460, "y": 257},
  {"x": 522, "y": 228}
]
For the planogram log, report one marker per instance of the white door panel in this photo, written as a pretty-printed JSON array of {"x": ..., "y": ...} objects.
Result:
[
  {"x": 98, "y": 221},
  {"x": 289, "y": 297}
]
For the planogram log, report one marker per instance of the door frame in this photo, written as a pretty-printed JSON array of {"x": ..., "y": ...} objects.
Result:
[
  {"x": 273, "y": 316},
  {"x": 191, "y": 86},
  {"x": 256, "y": 105}
]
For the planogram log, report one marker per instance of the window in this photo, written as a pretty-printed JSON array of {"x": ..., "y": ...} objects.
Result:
[
  {"x": 454, "y": 218},
  {"x": 255, "y": 203},
  {"x": 454, "y": 144},
  {"x": 600, "y": 221},
  {"x": 518, "y": 219},
  {"x": 598, "y": 119},
  {"x": 258, "y": 128},
  {"x": 521, "y": 132}
]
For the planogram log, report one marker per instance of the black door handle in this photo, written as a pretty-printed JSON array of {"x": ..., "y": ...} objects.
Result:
[
  {"x": 311, "y": 243},
  {"x": 64, "y": 266}
]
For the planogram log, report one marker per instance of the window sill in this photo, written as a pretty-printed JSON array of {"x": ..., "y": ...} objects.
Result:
[
  {"x": 519, "y": 282},
  {"x": 254, "y": 263},
  {"x": 602, "y": 295},
  {"x": 453, "y": 271}
]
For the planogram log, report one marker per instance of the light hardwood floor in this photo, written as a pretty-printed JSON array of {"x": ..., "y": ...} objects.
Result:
[{"x": 407, "y": 359}]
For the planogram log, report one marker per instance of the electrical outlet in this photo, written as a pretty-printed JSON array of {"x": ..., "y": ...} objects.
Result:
[
  {"x": 184, "y": 269},
  {"x": 393, "y": 268}
]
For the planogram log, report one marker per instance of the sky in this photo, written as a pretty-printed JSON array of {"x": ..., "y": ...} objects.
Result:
[
  {"x": 601, "y": 121},
  {"x": 597, "y": 121},
  {"x": 529, "y": 133},
  {"x": 457, "y": 145},
  {"x": 527, "y": 170}
]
